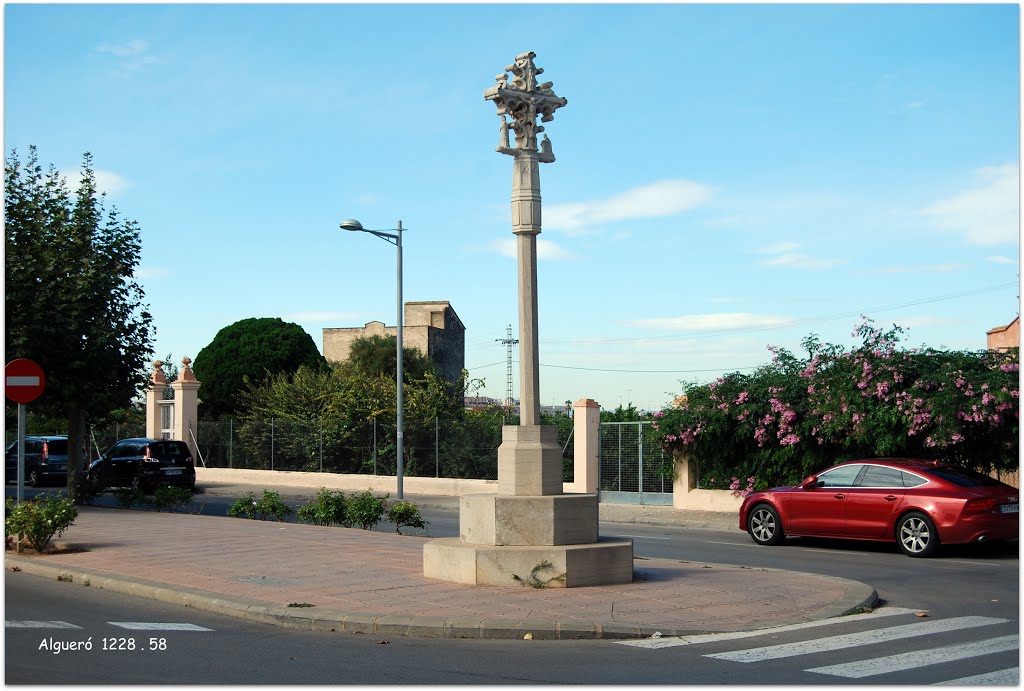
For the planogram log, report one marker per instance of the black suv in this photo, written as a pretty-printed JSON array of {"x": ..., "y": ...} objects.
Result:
[
  {"x": 46, "y": 460},
  {"x": 143, "y": 464}
]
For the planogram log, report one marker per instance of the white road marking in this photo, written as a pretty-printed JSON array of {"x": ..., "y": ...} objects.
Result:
[
  {"x": 39, "y": 625},
  {"x": 733, "y": 635},
  {"x": 157, "y": 626},
  {"x": 821, "y": 645},
  {"x": 731, "y": 544},
  {"x": 920, "y": 658},
  {"x": 1003, "y": 677},
  {"x": 971, "y": 563},
  {"x": 643, "y": 537}
]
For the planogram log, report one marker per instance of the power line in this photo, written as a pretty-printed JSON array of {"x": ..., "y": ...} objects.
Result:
[{"x": 789, "y": 323}]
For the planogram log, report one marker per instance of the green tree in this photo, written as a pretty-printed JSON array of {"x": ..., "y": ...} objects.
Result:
[
  {"x": 72, "y": 303},
  {"x": 250, "y": 350}
]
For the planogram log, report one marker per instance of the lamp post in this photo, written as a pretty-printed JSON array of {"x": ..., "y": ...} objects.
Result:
[{"x": 395, "y": 239}]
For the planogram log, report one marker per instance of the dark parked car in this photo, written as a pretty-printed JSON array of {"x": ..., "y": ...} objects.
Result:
[
  {"x": 144, "y": 464},
  {"x": 918, "y": 504},
  {"x": 46, "y": 460}
]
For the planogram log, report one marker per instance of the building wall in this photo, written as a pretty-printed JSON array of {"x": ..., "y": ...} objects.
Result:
[
  {"x": 1004, "y": 337},
  {"x": 433, "y": 328}
]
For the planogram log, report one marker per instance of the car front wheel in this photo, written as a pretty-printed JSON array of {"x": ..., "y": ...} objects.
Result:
[
  {"x": 916, "y": 535},
  {"x": 764, "y": 525}
]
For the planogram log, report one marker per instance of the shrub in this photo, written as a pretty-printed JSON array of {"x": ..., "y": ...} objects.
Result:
[
  {"x": 170, "y": 498},
  {"x": 86, "y": 492},
  {"x": 327, "y": 508},
  {"x": 405, "y": 513},
  {"x": 797, "y": 416},
  {"x": 126, "y": 497},
  {"x": 40, "y": 519},
  {"x": 366, "y": 510},
  {"x": 269, "y": 505}
]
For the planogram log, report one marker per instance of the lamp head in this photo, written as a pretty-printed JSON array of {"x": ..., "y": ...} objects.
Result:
[{"x": 351, "y": 224}]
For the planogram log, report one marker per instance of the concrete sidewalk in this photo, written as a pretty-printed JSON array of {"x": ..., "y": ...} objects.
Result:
[{"x": 338, "y": 579}]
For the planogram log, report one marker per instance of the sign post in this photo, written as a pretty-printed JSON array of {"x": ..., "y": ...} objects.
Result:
[{"x": 24, "y": 382}]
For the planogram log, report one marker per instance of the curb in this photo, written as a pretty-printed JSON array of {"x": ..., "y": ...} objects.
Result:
[{"x": 859, "y": 595}]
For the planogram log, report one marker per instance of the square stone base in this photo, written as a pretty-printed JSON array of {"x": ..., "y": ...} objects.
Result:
[
  {"x": 501, "y": 519},
  {"x": 606, "y": 562}
]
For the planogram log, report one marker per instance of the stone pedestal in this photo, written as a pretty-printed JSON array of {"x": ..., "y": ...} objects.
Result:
[{"x": 524, "y": 536}]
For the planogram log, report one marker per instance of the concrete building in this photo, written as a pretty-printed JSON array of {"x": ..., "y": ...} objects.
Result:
[
  {"x": 1004, "y": 337},
  {"x": 433, "y": 328}
]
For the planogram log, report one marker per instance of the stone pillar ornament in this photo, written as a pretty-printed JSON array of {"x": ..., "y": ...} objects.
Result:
[
  {"x": 529, "y": 526},
  {"x": 520, "y": 97}
]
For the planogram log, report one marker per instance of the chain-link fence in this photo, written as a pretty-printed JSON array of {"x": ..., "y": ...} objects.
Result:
[
  {"x": 459, "y": 448},
  {"x": 462, "y": 448},
  {"x": 633, "y": 460}
]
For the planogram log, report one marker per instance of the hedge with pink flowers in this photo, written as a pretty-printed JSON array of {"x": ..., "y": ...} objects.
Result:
[{"x": 799, "y": 415}]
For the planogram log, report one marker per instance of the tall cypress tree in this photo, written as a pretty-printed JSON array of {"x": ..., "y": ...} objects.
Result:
[{"x": 72, "y": 302}]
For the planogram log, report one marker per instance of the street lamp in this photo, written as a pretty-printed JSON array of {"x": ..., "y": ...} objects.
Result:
[{"x": 395, "y": 239}]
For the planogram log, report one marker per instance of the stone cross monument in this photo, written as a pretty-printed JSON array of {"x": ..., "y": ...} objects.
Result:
[{"x": 530, "y": 531}]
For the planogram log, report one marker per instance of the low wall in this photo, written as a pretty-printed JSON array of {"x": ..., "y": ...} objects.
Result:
[
  {"x": 692, "y": 500},
  {"x": 335, "y": 481}
]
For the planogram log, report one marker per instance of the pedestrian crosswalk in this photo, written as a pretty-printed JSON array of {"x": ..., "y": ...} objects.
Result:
[
  {"x": 840, "y": 648},
  {"x": 131, "y": 625}
]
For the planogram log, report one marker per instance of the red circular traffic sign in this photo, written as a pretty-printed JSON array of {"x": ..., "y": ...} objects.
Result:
[{"x": 24, "y": 380}]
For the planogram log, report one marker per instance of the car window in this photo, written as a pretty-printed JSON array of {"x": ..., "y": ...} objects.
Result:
[
  {"x": 911, "y": 480},
  {"x": 57, "y": 446},
  {"x": 880, "y": 476},
  {"x": 964, "y": 477},
  {"x": 842, "y": 476},
  {"x": 168, "y": 450},
  {"x": 116, "y": 450}
]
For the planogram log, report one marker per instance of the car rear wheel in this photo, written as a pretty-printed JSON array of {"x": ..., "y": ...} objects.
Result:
[
  {"x": 33, "y": 478},
  {"x": 916, "y": 535},
  {"x": 764, "y": 525},
  {"x": 136, "y": 485}
]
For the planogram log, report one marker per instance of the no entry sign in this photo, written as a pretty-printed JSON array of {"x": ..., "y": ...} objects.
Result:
[{"x": 24, "y": 380}]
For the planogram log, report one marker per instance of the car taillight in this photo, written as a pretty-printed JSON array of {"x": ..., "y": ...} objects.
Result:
[
  {"x": 979, "y": 505},
  {"x": 46, "y": 451}
]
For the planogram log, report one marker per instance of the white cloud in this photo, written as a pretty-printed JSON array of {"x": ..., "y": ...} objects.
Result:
[
  {"x": 145, "y": 273},
  {"x": 996, "y": 259},
  {"x": 546, "y": 250},
  {"x": 785, "y": 256},
  {"x": 124, "y": 50},
  {"x": 314, "y": 316},
  {"x": 934, "y": 268},
  {"x": 656, "y": 200},
  {"x": 133, "y": 55},
  {"x": 106, "y": 181},
  {"x": 986, "y": 214},
  {"x": 723, "y": 321}
]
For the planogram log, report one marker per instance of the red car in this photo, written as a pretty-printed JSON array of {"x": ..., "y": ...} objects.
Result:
[{"x": 918, "y": 504}]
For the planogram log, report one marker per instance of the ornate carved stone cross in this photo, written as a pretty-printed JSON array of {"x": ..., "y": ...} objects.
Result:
[{"x": 520, "y": 97}]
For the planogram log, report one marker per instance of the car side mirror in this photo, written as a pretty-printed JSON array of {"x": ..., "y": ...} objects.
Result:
[{"x": 811, "y": 482}]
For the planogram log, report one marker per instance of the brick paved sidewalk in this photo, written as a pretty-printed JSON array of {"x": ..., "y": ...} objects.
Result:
[{"x": 372, "y": 582}]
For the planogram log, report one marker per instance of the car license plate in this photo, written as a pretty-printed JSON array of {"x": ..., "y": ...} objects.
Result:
[
  {"x": 1010, "y": 508},
  {"x": 172, "y": 471}
]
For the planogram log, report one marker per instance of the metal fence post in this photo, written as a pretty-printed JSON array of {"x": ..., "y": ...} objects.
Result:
[
  {"x": 271, "y": 443},
  {"x": 374, "y": 444},
  {"x": 640, "y": 442},
  {"x": 437, "y": 453}
]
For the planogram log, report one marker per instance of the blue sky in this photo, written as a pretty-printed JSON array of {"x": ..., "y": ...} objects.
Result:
[{"x": 728, "y": 177}]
